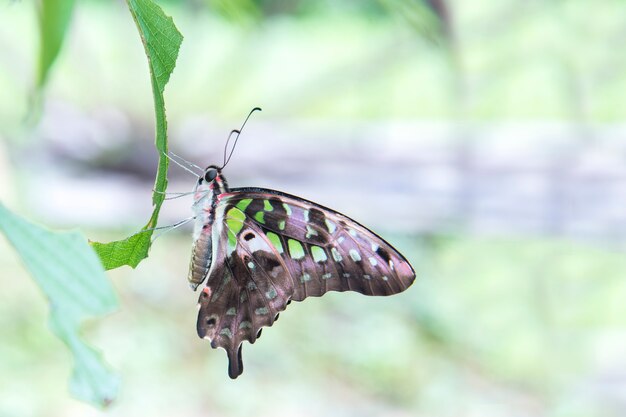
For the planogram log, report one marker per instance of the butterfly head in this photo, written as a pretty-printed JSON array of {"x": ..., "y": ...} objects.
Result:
[{"x": 212, "y": 181}]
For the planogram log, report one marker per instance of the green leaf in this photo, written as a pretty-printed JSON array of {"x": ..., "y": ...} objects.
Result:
[
  {"x": 161, "y": 42},
  {"x": 129, "y": 251},
  {"x": 54, "y": 19},
  {"x": 429, "y": 18},
  {"x": 240, "y": 11},
  {"x": 70, "y": 275}
]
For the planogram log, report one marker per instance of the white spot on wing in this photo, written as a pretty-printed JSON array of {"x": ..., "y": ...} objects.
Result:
[
  {"x": 355, "y": 255},
  {"x": 331, "y": 226},
  {"x": 310, "y": 231},
  {"x": 255, "y": 244},
  {"x": 271, "y": 294}
]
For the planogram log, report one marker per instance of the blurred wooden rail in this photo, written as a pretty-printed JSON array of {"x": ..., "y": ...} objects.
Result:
[{"x": 532, "y": 179}]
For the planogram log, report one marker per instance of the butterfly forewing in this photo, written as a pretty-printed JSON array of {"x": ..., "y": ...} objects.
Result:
[{"x": 271, "y": 248}]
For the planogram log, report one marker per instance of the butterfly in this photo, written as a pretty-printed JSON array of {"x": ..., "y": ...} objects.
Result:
[{"x": 259, "y": 249}]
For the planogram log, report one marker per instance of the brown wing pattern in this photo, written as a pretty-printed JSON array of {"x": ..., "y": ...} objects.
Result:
[{"x": 273, "y": 248}]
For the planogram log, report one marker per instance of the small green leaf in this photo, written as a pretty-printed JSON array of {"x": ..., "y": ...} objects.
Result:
[
  {"x": 161, "y": 42},
  {"x": 54, "y": 19},
  {"x": 430, "y": 19},
  {"x": 70, "y": 275},
  {"x": 129, "y": 251},
  {"x": 240, "y": 11}
]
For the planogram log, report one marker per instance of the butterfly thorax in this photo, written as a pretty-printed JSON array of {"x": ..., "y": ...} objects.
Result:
[{"x": 206, "y": 194}]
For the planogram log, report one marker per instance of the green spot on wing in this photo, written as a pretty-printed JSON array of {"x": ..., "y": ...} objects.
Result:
[
  {"x": 275, "y": 241},
  {"x": 287, "y": 209},
  {"x": 318, "y": 254},
  {"x": 295, "y": 249},
  {"x": 243, "y": 204},
  {"x": 234, "y": 219},
  {"x": 234, "y": 225},
  {"x": 281, "y": 225},
  {"x": 232, "y": 241},
  {"x": 267, "y": 206},
  {"x": 236, "y": 213},
  {"x": 260, "y": 217}
]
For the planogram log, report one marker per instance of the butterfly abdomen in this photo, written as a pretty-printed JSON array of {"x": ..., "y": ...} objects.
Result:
[
  {"x": 201, "y": 257},
  {"x": 202, "y": 251}
]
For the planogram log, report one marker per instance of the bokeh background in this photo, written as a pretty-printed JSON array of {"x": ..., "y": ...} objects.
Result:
[{"x": 485, "y": 140}]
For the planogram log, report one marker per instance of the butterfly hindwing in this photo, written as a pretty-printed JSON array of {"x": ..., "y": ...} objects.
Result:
[
  {"x": 246, "y": 288},
  {"x": 271, "y": 248}
]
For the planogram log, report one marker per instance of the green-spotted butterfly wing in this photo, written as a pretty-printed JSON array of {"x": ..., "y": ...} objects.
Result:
[{"x": 269, "y": 248}]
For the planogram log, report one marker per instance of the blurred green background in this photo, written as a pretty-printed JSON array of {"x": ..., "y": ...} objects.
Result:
[{"x": 485, "y": 140}]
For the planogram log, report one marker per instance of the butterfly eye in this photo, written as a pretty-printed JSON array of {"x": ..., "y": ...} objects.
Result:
[{"x": 210, "y": 175}]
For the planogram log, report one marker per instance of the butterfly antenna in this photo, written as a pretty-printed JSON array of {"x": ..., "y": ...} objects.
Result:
[
  {"x": 230, "y": 135},
  {"x": 236, "y": 132}
]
